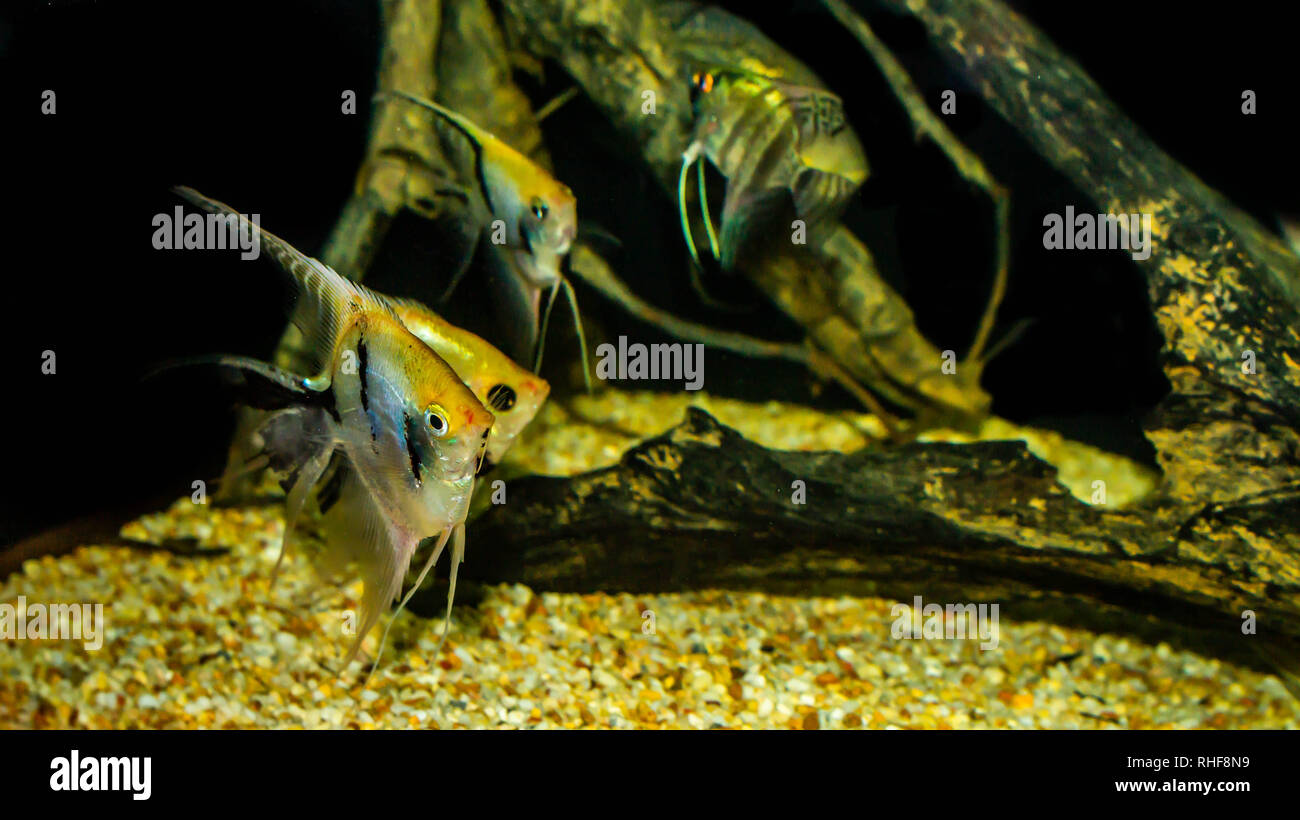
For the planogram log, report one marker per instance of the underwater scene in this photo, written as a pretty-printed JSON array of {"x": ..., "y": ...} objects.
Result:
[{"x": 650, "y": 364}]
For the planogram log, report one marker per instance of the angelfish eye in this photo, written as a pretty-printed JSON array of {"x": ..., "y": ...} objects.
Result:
[
  {"x": 539, "y": 209},
  {"x": 501, "y": 397},
  {"x": 437, "y": 420}
]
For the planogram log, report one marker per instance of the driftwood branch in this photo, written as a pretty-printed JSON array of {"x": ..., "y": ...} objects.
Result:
[
  {"x": 1220, "y": 284},
  {"x": 403, "y": 165},
  {"x": 703, "y": 507},
  {"x": 929, "y": 124}
]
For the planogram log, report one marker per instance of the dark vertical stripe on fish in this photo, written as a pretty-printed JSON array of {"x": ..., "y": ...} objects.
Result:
[
  {"x": 363, "y": 362},
  {"x": 482, "y": 180},
  {"x": 409, "y": 432},
  {"x": 478, "y": 159},
  {"x": 363, "y": 365},
  {"x": 450, "y": 117}
]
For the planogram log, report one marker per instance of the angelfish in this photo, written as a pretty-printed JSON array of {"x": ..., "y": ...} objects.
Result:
[
  {"x": 774, "y": 141},
  {"x": 512, "y": 393},
  {"x": 410, "y": 434},
  {"x": 538, "y": 222}
]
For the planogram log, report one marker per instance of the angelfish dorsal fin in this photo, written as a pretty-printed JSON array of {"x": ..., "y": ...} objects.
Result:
[{"x": 326, "y": 302}]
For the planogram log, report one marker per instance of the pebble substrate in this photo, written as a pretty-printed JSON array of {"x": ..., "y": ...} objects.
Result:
[{"x": 200, "y": 642}]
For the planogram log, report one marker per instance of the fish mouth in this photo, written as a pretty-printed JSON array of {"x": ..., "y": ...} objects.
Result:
[
  {"x": 566, "y": 240},
  {"x": 541, "y": 267}
]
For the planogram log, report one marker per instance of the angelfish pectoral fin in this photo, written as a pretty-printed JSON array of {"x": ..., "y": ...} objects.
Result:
[
  {"x": 688, "y": 159},
  {"x": 692, "y": 157},
  {"x": 577, "y": 326},
  {"x": 704, "y": 209},
  {"x": 457, "y": 556},
  {"x": 572, "y": 299},
  {"x": 546, "y": 323}
]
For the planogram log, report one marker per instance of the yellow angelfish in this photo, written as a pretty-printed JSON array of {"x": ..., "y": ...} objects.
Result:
[
  {"x": 409, "y": 433},
  {"x": 538, "y": 221}
]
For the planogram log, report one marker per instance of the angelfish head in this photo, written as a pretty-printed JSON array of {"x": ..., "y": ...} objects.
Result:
[
  {"x": 454, "y": 440},
  {"x": 447, "y": 440},
  {"x": 705, "y": 93},
  {"x": 548, "y": 223},
  {"x": 514, "y": 401},
  {"x": 702, "y": 85}
]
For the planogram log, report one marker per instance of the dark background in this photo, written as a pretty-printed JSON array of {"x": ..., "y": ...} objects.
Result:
[{"x": 241, "y": 100}]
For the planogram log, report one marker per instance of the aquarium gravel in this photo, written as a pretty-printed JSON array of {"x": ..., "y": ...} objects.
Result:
[{"x": 201, "y": 642}]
